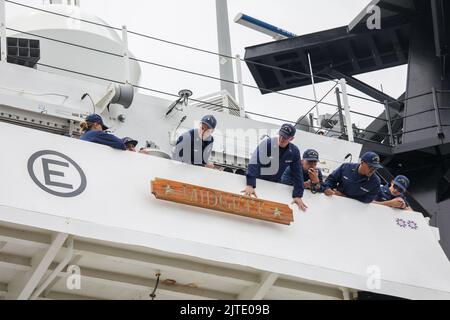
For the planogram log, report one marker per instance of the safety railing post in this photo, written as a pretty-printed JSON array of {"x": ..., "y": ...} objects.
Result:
[
  {"x": 311, "y": 122},
  {"x": 126, "y": 55},
  {"x": 341, "y": 116},
  {"x": 240, "y": 86},
  {"x": 389, "y": 123},
  {"x": 348, "y": 119},
  {"x": 3, "y": 40},
  {"x": 440, "y": 132}
]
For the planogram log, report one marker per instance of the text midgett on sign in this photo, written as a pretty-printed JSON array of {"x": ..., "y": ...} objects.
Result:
[{"x": 221, "y": 201}]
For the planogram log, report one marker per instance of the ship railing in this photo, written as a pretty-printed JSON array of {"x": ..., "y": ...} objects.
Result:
[
  {"x": 344, "y": 107},
  {"x": 125, "y": 34}
]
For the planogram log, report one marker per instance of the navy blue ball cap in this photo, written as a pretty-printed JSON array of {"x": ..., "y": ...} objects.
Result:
[
  {"x": 95, "y": 118},
  {"x": 210, "y": 121},
  {"x": 402, "y": 182},
  {"x": 287, "y": 131},
  {"x": 372, "y": 159},
  {"x": 311, "y": 155},
  {"x": 128, "y": 140}
]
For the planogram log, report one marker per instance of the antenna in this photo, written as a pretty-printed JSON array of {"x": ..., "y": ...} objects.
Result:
[
  {"x": 88, "y": 95},
  {"x": 263, "y": 27},
  {"x": 183, "y": 98},
  {"x": 224, "y": 44},
  {"x": 173, "y": 134}
]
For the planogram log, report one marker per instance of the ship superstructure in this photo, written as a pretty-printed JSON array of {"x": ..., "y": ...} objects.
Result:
[{"x": 110, "y": 238}]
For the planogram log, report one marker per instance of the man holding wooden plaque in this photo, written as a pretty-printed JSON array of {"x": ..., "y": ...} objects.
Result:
[{"x": 271, "y": 159}]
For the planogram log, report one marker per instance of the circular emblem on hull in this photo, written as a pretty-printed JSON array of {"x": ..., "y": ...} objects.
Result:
[{"x": 57, "y": 174}]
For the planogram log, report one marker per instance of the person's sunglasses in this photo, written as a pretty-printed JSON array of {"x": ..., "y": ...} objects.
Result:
[{"x": 397, "y": 188}]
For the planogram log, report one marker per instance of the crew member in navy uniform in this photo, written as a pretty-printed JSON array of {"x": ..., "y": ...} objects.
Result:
[
  {"x": 130, "y": 144},
  {"x": 195, "y": 145},
  {"x": 312, "y": 176},
  {"x": 393, "y": 195},
  {"x": 271, "y": 159},
  {"x": 356, "y": 181},
  {"x": 93, "y": 130}
]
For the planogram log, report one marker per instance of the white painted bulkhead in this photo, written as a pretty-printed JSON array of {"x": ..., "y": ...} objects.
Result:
[
  {"x": 74, "y": 58},
  {"x": 336, "y": 242}
]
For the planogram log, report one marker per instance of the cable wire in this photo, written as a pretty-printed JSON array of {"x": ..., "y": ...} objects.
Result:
[
  {"x": 368, "y": 116},
  {"x": 173, "y": 43},
  {"x": 317, "y": 103},
  {"x": 363, "y": 98},
  {"x": 232, "y": 82},
  {"x": 170, "y": 67},
  {"x": 208, "y": 76},
  {"x": 410, "y": 98},
  {"x": 153, "y": 294},
  {"x": 415, "y": 130},
  {"x": 61, "y": 15},
  {"x": 67, "y": 43},
  {"x": 175, "y": 95}
]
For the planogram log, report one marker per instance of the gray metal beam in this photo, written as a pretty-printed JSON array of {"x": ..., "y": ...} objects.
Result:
[
  {"x": 367, "y": 89},
  {"x": 351, "y": 56},
  {"x": 13, "y": 262},
  {"x": 138, "y": 283},
  {"x": 375, "y": 52},
  {"x": 308, "y": 288},
  {"x": 420, "y": 144},
  {"x": 397, "y": 46},
  {"x": 66, "y": 296},
  {"x": 379, "y": 126},
  {"x": 437, "y": 25},
  {"x": 150, "y": 261},
  {"x": 25, "y": 238},
  {"x": 395, "y": 8},
  {"x": 44, "y": 285},
  {"x": 153, "y": 261},
  {"x": 260, "y": 290},
  {"x": 75, "y": 261},
  {"x": 22, "y": 287},
  {"x": 165, "y": 263},
  {"x": 379, "y": 148},
  {"x": 3, "y": 289}
]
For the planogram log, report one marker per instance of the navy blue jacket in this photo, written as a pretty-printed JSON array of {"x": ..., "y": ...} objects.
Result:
[
  {"x": 386, "y": 195},
  {"x": 104, "y": 138},
  {"x": 287, "y": 177},
  {"x": 348, "y": 181},
  {"x": 192, "y": 149},
  {"x": 264, "y": 165}
]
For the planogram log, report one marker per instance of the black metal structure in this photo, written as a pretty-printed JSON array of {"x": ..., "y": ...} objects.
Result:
[{"x": 413, "y": 134}]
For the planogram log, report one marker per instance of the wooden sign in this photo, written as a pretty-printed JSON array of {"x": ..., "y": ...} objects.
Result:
[{"x": 221, "y": 201}]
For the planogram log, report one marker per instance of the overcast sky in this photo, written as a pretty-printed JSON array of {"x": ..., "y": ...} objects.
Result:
[{"x": 194, "y": 23}]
